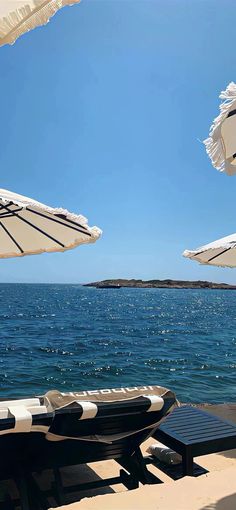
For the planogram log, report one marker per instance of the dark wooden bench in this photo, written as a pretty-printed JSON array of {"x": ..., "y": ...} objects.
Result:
[{"x": 192, "y": 432}]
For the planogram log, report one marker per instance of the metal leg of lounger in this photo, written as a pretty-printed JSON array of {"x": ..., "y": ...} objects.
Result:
[
  {"x": 7, "y": 503},
  {"x": 58, "y": 485},
  {"x": 40, "y": 502},
  {"x": 146, "y": 475},
  {"x": 187, "y": 460},
  {"x": 129, "y": 481},
  {"x": 136, "y": 466},
  {"x": 23, "y": 491}
]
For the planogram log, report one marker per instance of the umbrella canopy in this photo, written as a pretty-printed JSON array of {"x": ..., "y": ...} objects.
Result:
[
  {"x": 28, "y": 227},
  {"x": 221, "y": 144},
  {"x": 219, "y": 253},
  {"x": 20, "y": 16}
]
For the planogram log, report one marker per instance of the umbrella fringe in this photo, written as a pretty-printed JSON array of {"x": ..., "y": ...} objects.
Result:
[
  {"x": 25, "y": 202},
  {"x": 24, "y": 19},
  {"x": 214, "y": 144}
]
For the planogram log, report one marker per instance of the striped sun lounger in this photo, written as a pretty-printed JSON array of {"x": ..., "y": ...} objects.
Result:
[{"x": 64, "y": 429}]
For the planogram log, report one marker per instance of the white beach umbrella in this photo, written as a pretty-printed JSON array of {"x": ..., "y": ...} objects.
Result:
[
  {"x": 20, "y": 16},
  {"x": 28, "y": 227},
  {"x": 221, "y": 144},
  {"x": 219, "y": 253}
]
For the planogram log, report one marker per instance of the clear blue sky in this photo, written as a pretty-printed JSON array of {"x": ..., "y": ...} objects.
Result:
[{"x": 101, "y": 112}]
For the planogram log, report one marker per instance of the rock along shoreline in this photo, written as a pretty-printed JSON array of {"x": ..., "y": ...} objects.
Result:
[{"x": 159, "y": 284}]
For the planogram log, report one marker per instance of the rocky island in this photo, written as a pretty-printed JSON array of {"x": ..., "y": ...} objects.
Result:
[{"x": 159, "y": 284}]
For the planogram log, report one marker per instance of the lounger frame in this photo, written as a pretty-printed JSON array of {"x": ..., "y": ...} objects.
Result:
[
  {"x": 133, "y": 472},
  {"x": 134, "y": 425}
]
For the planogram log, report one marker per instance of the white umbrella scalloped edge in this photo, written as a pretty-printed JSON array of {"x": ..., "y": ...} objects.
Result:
[
  {"x": 214, "y": 143},
  {"x": 225, "y": 243},
  {"x": 24, "y": 202},
  {"x": 24, "y": 19}
]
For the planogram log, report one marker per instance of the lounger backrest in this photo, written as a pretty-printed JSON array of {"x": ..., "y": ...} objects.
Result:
[
  {"x": 16, "y": 416},
  {"x": 109, "y": 416},
  {"x": 103, "y": 421},
  {"x": 86, "y": 409}
]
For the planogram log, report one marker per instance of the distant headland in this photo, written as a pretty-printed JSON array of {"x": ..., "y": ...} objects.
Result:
[{"x": 159, "y": 284}]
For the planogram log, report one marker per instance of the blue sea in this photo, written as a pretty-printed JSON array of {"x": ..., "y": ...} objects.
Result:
[{"x": 70, "y": 337}]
